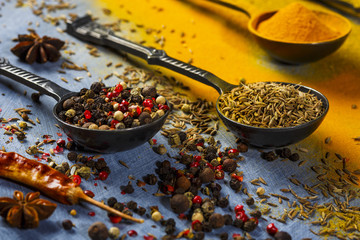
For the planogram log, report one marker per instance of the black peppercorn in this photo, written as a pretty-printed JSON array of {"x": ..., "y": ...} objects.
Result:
[
  {"x": 186, "y": 159},
  {"x": 179, "y": 203},
  {"x": 294, "y": 157},
  {"x": 96, "y": 87},
  {"x": 118, "y": 206},
  {"x": 285, "y": 153},
  {"x": 182, "y": 136},
  {"x": 229, "y": 165},
  {"x": 207, "y": 227},
  {"x": 238, "y": 223},
  {"x": 150, "y": 179},
  {"x": 72, "y": 156},
  {"x": 131, "y": 205},
  {"x": 127, "y": 188},
  {"x": 83, "y": 91},
  {"x": 228, "y": 219},
  {"x": 223, "y": 202},
  {"x": 90, "y": 163},
  {"x": 255, "y": 214},
  {"x": 128, "y": 121},
  {"x": 199, "y": 236},
  {"x": 249, "y": 225},
  {"x": 210, "y": 156},
  {"x": 282, "y": 236},
  {"x": 170, "y": 222},
  {"x": 125, "y": 94},
  {"x": 216, "y": 220},
  {"x": 35, "y": 97},
  {"x": 67, "y": 224},
  {"x": 235, "y": 184},
  {"x": 224, "y": 236},
  {"x": 268, "y": 156},
  {"x": 136, "y": 99},
  {"x": 99, "y": 164},
  {"x": 127, "y": 212},
  {"x": 140, "y": 210},
  {"x": 250, "y": 201},
  {"x": 111, "y": 201},
  {"x": 170, "y": 229}
]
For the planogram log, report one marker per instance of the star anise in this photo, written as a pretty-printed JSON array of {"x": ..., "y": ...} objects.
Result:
[
  {"x": 33, "y": 48},
  {"x": 26, "y": 213}
]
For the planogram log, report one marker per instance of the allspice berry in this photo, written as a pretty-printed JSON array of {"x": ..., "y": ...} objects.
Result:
[
  {"x": 242, "y": 147},
  {"x": 282, "y": 236},
  {"x": 207, "y": 175},
  {"x": 145, "y": 118},
  {"x": 149, "y": 91},
  {"x": 183, "y": 182},
  {"x": 98, "y": 231},
  {"x": 229, "y": 165},
  {"x": 179, "y": 203},
  {"x": 68, "y": 103},
  {"x": 216, "y": 220}
]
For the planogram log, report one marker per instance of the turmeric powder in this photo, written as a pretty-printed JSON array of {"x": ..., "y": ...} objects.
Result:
[{"x": 298, "y": 24}]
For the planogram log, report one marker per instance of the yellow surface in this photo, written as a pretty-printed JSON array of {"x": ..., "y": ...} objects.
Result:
[{"x": 216, "y": 39}]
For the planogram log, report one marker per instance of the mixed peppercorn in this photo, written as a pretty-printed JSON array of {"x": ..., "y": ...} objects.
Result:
[{"x": 113, "y": 108}]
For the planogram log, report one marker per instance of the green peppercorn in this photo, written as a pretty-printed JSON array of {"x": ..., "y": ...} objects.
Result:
[{"x": 114, "y": 232}]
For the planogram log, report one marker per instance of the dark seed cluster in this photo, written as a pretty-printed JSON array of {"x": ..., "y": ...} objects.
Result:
[
  {"x": 282, "y": 153},
  {"x": 127, "y": 208},
  {"x": 199, "y": 178},
  {"x": 113, "y": 108}
]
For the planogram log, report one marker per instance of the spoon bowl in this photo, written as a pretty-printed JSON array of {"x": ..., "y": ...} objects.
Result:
[
  {"x": 109, "y": 141},
  {"x": 276, "y": 137},
  {"x": 292, "y": 52},
  {"x": 102, "y": 141},
  {"x": 300, "y": 53}
]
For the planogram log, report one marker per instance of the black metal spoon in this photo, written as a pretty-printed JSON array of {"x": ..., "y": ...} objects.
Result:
[
  {"x": 104, "y": 141},
  {"x": 86, "y": 29}
]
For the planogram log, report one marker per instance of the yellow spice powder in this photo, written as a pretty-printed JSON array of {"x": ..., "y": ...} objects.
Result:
[{"x": 296, "y": 23}]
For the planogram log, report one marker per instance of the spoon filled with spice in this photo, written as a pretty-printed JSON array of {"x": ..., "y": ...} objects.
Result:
[
  {"x": 294, "y": 34},
  {"x": 100, "y": 119},
  {"x": 262, "y": 114}
]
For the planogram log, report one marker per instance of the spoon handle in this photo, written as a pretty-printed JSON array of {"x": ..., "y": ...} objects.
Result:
[
  {"x": 236, "y": 5},
  {"x": 31, "y": 80},
  {"x": 85, "y": 29}
]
